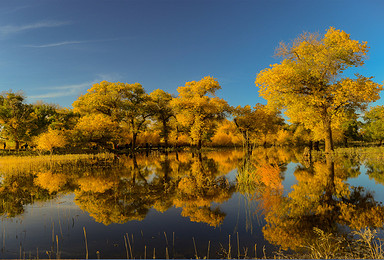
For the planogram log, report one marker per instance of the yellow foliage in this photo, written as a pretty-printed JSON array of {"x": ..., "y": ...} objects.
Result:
[
  {"x": 199, "y": 189},
  {"x": 270, "y": 176},
  {"x": 269, "y": 200},
  {"x": 283, "y": 137},
  {"x": 257, "y": 124},
  {"x": 152, "y": 137},
  {"x": 359, "y": 219},
  {"x": 95, "y": 184},
  {"x": 226, "y": 134},
  {"x": 96, "y": 124},
  {"x": 319, "y": 198},
  {"x": 51, "y": 139},
  {"x": 106, "y": 98},
  {"x": 98, "y": 128},
  {"x": 187, "y": 186},
  {"x": 308, "y": 85},
  {"x": 213, "y": 218},
  {"x": 226, "y": 160},
  {"x": 222, "y": 139},
  {"x": 106, "y": 209},
  {"x": 112, "y": 106},
  {"x": 50, "y": 181},
  {"x": 197, "y": 107},
  {"x": 179, "y": 139}
]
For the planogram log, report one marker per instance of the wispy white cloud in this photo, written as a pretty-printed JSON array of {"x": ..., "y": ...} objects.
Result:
[
  {"x": 63, "y": 91},
  {"x": 10, "y": 29},
  {"x": 74, "y": 89},
  {"x": 14, "y": 9},
  {"x": 56, "y": 44},
  {"x": 63, "y": 43}
]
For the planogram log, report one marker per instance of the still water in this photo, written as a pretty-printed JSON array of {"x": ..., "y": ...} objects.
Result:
[{"x": 216, "y": 204}]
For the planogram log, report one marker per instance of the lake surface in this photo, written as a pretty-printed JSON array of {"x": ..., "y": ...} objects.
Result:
[{"x": 182, "y": 205}]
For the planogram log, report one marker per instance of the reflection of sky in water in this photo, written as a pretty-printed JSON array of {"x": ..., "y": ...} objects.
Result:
[
  {"x": 289, "y": 178},
  {"x": 62, "y": 218},
  {"x": 362, "y": 180},
  {"x": 369, "y": 183}
]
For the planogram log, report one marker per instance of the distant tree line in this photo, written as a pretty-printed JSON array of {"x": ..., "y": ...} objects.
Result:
[
  {"x": 115, "y": 115},
  {"x": 307, "y": 85}
]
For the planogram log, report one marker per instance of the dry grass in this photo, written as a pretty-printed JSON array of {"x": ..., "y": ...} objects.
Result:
[{"x": 22, "y": 164}]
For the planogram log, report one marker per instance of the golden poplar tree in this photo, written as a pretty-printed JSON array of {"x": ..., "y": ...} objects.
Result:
[
  {"x": 51, "y": 139},
  {"x": 197, "y": 107},
  {"x": 123, "y": 103},
  {"x": 160, "y": 105},
  {"x": 308, "y": 83},
  {"x": 256, "y": 122}
]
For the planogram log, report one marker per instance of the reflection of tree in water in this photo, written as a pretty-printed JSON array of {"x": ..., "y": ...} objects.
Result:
[
  {"x": 190, "y": 183},
  {"x": 262, "y": 173},
  {"x": 53, "y": 182},
  {"x": 202, "y": 185},
  {"x": 259, "y": 179},
  {"x": 128, "y": 196},
  {"x": 25, "y": 180},
  {"x": 375, "y": 169},
  {"x": 18, "y": 190},
  {"x": 321, "y": 200},
  {"x": 163, "y": 184},
  {"x": 127, "y": 188},
  {"x": 107, "y": 208}
]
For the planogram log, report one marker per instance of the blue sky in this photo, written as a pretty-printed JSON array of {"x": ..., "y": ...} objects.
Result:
[{"x": 55, "y": 50}]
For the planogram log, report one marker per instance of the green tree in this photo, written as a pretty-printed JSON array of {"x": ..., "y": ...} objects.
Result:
[
  {"x": 52, "y": 116},
  {"x": 308, "y": 82},
  {"x": 43, "y": 116},
  {"x": 198, "y": 108},
  {"x": 374, "y": 123},
  {"x": 15, "y": 117},
  {"x": 65, "y": 119},
  {"x": 351, "y": 130}
]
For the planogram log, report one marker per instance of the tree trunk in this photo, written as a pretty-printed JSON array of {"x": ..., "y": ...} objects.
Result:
[
  {"x": 165, "y": 132},
  {"x": 17, "y": 145},
  {"x": 330, "y": 186},
  {"x": 199, "y": 145},
  {"x": 328, "y": 136},
  {"x": 316, "y": 146},
  {"x": 247, "y": 143},
  {"x": 135, "y": 170},
  {"x": 134, "y": 136}
]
